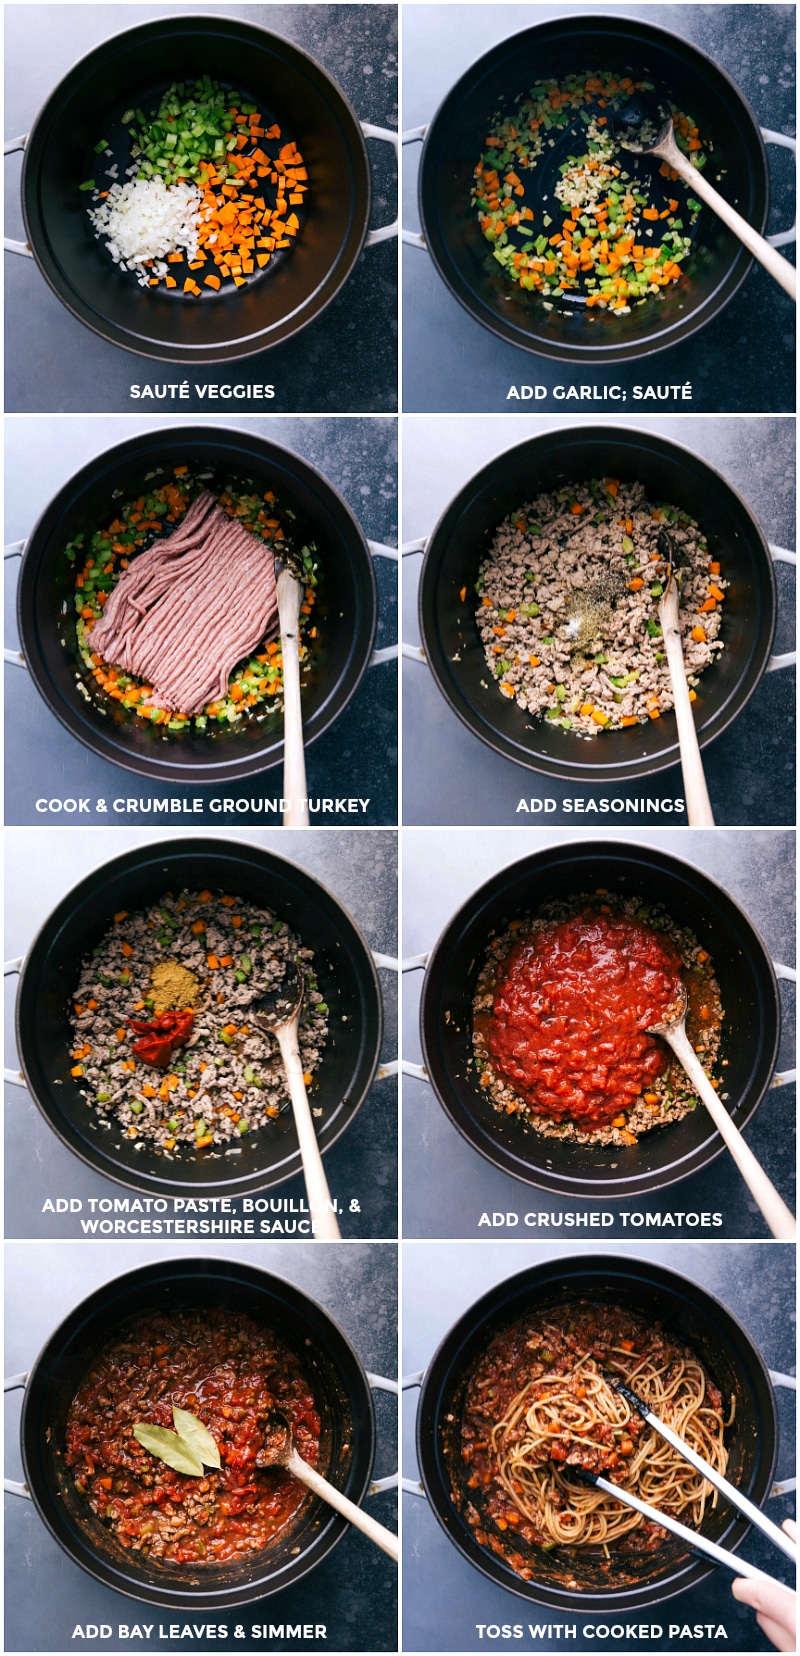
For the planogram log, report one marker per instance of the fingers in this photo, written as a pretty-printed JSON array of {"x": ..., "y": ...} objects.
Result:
[
  {"x": 782, "y": 1638},
  {"x": 776, "y": 1609}
]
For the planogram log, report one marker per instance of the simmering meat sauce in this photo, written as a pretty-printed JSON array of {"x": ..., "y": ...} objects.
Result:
[{"x": 230, "y": 1372}]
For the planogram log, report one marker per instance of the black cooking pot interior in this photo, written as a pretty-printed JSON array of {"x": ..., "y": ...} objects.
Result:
[
  {"x": 685, "y": 1310},
  {"x": 750, "y": 1030},
  {"x": 134, "y": 69},
  {"x": 337, "y": 1380},
  {"x": 343, "y": 967},
  {"x": 697, "y": 86},
  {"x": 462, "y": 539},
  {"x": 346, "y": 616}
]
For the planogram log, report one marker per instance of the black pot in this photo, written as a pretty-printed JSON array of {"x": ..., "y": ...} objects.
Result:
[
  {"x": 750, "y": 1030},
  {"x": 453, "y": 646},
  {"x": 685, "y": 1310},
  {"x": 135, "y": 68},
  {"x": 337, "y": 1379},
  {"x": 455, "y": 139},
  {"x": 46, "y": 615},
  {"x": 343, "y": 966}
]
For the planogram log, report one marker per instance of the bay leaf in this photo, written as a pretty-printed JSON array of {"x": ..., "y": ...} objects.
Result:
[
  {"x": 175, "y": 1451},
  {"x": 195, "y": 1433}
]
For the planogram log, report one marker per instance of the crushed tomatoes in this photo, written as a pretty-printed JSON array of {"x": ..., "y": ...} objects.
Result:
[{"x": 572, "y": 1005}]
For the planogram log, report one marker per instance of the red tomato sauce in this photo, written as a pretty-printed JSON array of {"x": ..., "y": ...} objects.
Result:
[
  {"x": 227, "y": 1370},
  {"x": 572, "y": 1005}
]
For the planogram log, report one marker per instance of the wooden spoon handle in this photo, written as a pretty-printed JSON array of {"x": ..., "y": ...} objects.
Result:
[
  {"x": 780, "y": 1219},
  {"x": 698, "y": 804},
  {"x": 767, "y": 255},
  {"x": 326, "y": 1225},
  {"x": 334, "y": 1497},
  {"x": 295, "y": 790}
]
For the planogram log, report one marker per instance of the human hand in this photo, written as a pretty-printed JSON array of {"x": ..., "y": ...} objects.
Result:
[{"x": 775, "y": 1606}]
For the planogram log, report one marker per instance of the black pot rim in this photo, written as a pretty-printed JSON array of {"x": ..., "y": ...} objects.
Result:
[
  {"x": 217, "y": 773},
  {"x": 171, "y": 1187},
  {"x": 616, "y": 1601},
  {"x": 201, "y": 358},
  {"x": 591, "y": 356},
  {"x": 134, "y": 1277},
  {"x": 601, "y": 1189},
  {"x": 669, "y": 758}
]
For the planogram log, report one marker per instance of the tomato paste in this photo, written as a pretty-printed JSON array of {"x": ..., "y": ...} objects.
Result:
[
  {"x": 161, "y": 1036},
  {"x": 572, "y": 1005}
]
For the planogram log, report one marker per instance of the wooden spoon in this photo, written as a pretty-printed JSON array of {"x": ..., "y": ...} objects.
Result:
[
  {"x": 279, "y": 1015},
  {"x": 642, "y": 126},
  {"x": 698, "y": 804},
  {"x": 295, "y": 790},
  {"x": 673, "y": 1030},
  {"x": 280, "y": 1450}
]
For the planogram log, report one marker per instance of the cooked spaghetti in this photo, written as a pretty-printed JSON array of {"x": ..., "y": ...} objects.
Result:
[{"x": 538, "y": 1407}]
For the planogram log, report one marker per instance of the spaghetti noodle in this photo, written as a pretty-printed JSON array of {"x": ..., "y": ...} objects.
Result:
[{"x": 538, "y": 1407}]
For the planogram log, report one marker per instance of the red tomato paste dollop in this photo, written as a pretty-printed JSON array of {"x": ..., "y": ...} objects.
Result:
[{"x": 572, "y": 1005}]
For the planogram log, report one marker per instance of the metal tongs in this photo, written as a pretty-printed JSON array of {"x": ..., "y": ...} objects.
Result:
[{"x": 693, "y": 1538}]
